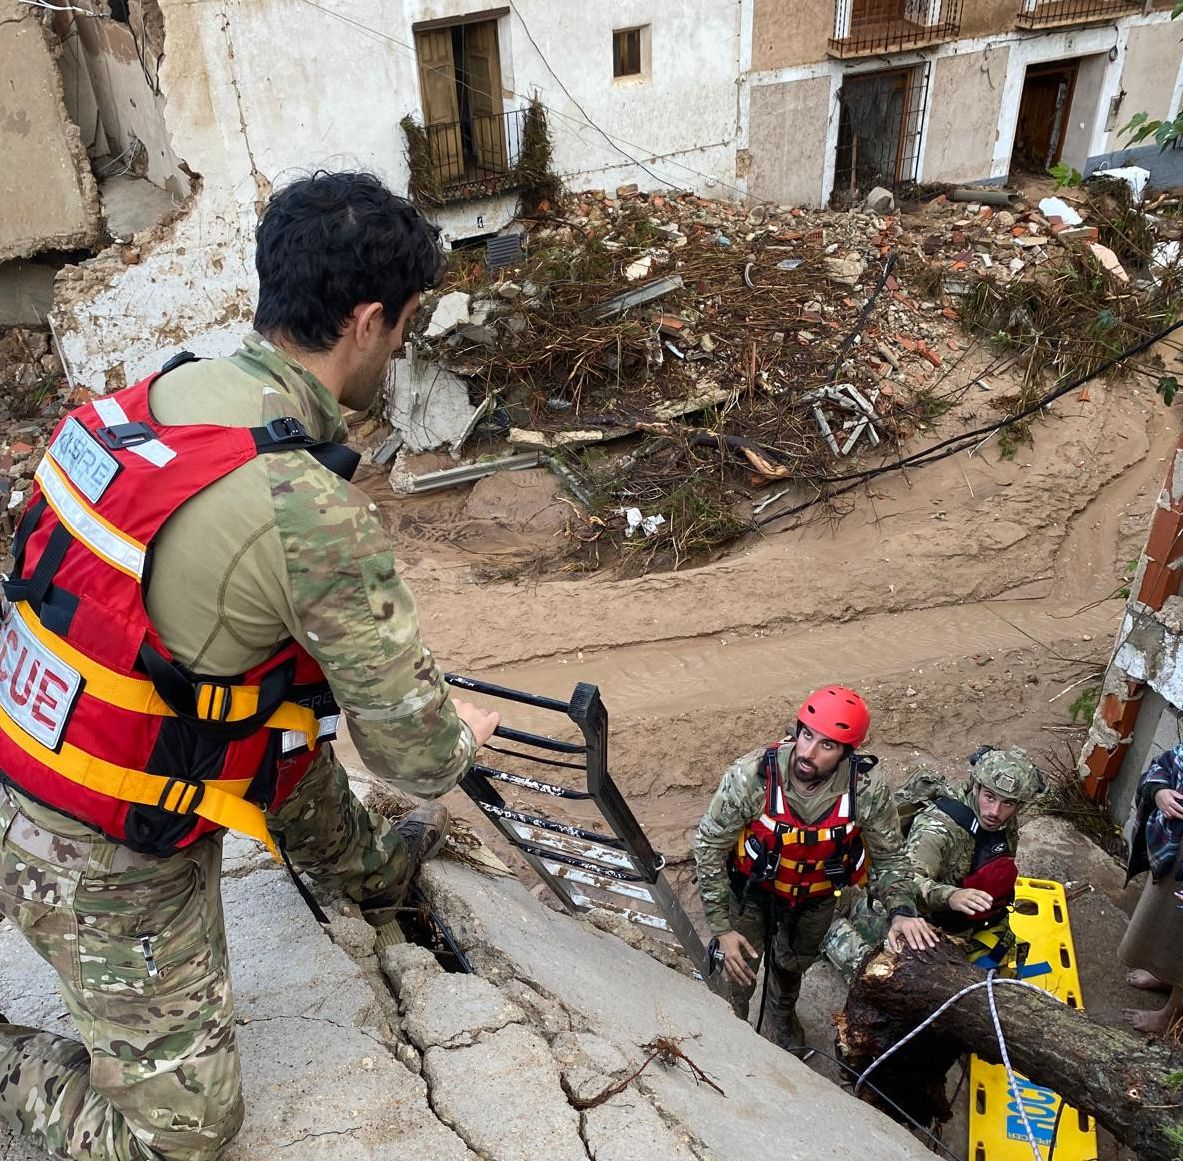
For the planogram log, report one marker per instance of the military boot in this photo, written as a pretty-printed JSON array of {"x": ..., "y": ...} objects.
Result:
[{"x": 424, "y": 830}]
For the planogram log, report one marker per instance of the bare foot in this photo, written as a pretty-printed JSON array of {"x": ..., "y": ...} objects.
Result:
[
  {"x": 1154, "y": 1023},
  {"x": 1147, "y": 981}
]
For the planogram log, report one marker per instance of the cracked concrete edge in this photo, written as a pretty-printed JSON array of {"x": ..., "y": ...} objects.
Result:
[{"x": 88, "y": 233}]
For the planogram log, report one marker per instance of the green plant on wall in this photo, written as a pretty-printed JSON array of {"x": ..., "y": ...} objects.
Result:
[
  {"x": 424, "y": 182},
  {"x": 1085, "y": 705}
]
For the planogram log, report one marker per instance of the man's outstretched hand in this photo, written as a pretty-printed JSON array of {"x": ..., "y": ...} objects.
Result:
[{"x": 481, "y": 722}]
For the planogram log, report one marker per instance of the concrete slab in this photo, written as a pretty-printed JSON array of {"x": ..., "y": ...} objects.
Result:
[
  {"x": 450, "y": 1011},
  {"x": 320, "y": 1078},
  {"x": 132, "y": 204},
  {"x": 48, "y": 199},
  {"x": 428, "y": 405},
  {"x": 503, "y": 1096},
  {"x": 627, "y": 1127},
  {"x": 773, "y": 1102}
]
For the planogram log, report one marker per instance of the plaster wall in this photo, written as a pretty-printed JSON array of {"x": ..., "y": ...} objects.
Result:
[
  {"x": 1150, "y": 74},
  {"x": 788, "y": 131},
  {"x": 966, "y": 100},
  {"x": 259, "y": 92}
]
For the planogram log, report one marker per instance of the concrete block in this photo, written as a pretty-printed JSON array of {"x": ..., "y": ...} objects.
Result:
[
  {"x": 450, "y": 1010},
  {"x": 627, "y": 998},
  {"x": 503, "y": 1096},
  {"x": 428, "y": 404},
  {"x": 451, "y": 311},
  {"x": 404, "y": 962},
  {"x": 627, "y": 1127}
]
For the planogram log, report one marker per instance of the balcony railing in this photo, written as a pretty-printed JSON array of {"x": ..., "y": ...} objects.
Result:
[
  {"x": 1054, "y": 13},
  {"x": 476, "y": 157},
  {"x": 875, "y": 27}
]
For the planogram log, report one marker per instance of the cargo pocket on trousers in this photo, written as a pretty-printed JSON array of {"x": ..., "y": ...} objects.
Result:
[{"x": 144, "y": 938}]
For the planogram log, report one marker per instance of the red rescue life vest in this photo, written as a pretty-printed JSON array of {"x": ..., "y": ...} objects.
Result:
[
  {"x": 813, "y": 859},
  {"x": 97, "y": 719}
]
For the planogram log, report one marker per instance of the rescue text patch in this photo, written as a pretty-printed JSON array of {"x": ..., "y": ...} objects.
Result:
[
  {"x": 89, "y": 466},
  {"x": 37, "y": 689}
]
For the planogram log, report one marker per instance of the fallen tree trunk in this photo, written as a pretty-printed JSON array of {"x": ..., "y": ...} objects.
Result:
[{"x": 1116, "y": 1076}]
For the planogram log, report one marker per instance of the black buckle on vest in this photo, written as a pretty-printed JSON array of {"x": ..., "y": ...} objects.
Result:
[
  {"x": 186, "y": 801},
  {"x": 837, "y": 871},
  {"x": 122, "y": 435},
  {"x": 287, "y": 430}
]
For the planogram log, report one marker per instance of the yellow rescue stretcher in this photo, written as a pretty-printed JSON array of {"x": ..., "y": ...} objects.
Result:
[{"x": 996, "y": 1131}]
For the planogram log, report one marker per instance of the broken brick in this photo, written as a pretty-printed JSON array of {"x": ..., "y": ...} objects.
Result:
[
  {"x": 1079, "y": 234},
  {"x": 924, "y": 350}
]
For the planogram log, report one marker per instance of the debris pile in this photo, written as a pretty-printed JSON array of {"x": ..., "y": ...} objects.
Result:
[
  {"x": 741, "y": 346},
  {"x": 33, "y": 396}
]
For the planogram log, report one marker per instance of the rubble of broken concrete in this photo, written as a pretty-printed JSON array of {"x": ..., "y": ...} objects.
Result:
[{"x": 347, "y": 1054}]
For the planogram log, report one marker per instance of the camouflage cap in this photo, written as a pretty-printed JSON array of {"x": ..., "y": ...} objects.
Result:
[{"x": 1010, "y": 773}]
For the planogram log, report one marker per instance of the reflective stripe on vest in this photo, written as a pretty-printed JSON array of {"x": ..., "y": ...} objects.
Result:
[{"x": 83, "y": 728}]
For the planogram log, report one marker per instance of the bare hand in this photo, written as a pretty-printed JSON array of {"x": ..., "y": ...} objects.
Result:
[
  {"x": 481, "y": 722},
  {"x": 970, "y": 901},
  {"x": 917, "y": 933},
  {"x": 1170, "y": 802},
  {"x": 736, "y": 953}
]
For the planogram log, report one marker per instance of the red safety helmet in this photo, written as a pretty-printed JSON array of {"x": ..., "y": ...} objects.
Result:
[{"x": 837, "y": 712}]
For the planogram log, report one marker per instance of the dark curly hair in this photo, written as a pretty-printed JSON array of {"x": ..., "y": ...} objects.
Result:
[{"x": 332, "y": 241}]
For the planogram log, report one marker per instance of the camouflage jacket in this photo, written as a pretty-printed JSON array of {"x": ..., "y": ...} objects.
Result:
[
  {"x": 283, "y": 548},
  {"x": 740, "y": 798},
  {"x": 941, "y": 851}
]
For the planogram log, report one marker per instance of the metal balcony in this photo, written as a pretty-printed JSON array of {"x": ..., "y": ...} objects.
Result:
[
  {"x": 875, "y": 27},
  {"x": 476, "y": 156},
  {"x": 1061, "y": 13}
]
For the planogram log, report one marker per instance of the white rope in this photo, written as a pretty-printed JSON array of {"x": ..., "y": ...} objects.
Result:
[
  {"x": 1010, "y": 1072},
  {"x": 63, "y": 8},
  {"x": 988, "y": 983}
]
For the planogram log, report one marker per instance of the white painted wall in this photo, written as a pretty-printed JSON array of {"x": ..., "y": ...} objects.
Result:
[{"x": 259, "y": 91}]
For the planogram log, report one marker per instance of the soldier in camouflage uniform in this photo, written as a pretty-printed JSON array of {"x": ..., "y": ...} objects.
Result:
[
  {"x": 279, "y": 548},
  {"x": 789, "y": 828},
  {"x": 947, "y": 858}
]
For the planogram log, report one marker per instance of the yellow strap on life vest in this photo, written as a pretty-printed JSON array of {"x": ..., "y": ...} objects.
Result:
[
  {"x": 220, "y": 802},
  {"x": 140, "y": 696}
]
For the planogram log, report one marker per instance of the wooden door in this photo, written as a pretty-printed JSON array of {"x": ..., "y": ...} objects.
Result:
[
  {"x": 441, "y": 107},
  {"x": 1043, "y": 113},
  {"x": 482, "y": 72}
]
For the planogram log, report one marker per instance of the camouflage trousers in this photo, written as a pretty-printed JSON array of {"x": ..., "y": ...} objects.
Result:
[
  {"x": 139, "y": 945},
  {"x": 797, "y": 934},
  {"x": 855, "y": 935}
]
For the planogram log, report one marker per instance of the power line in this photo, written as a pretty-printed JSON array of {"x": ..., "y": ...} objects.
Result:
[{"x": 615, "y": 140}]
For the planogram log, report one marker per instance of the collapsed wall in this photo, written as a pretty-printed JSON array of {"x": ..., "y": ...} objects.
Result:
[
  {"x": 1140, "y": 710},
  {"x": 48, "y": 193}
]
